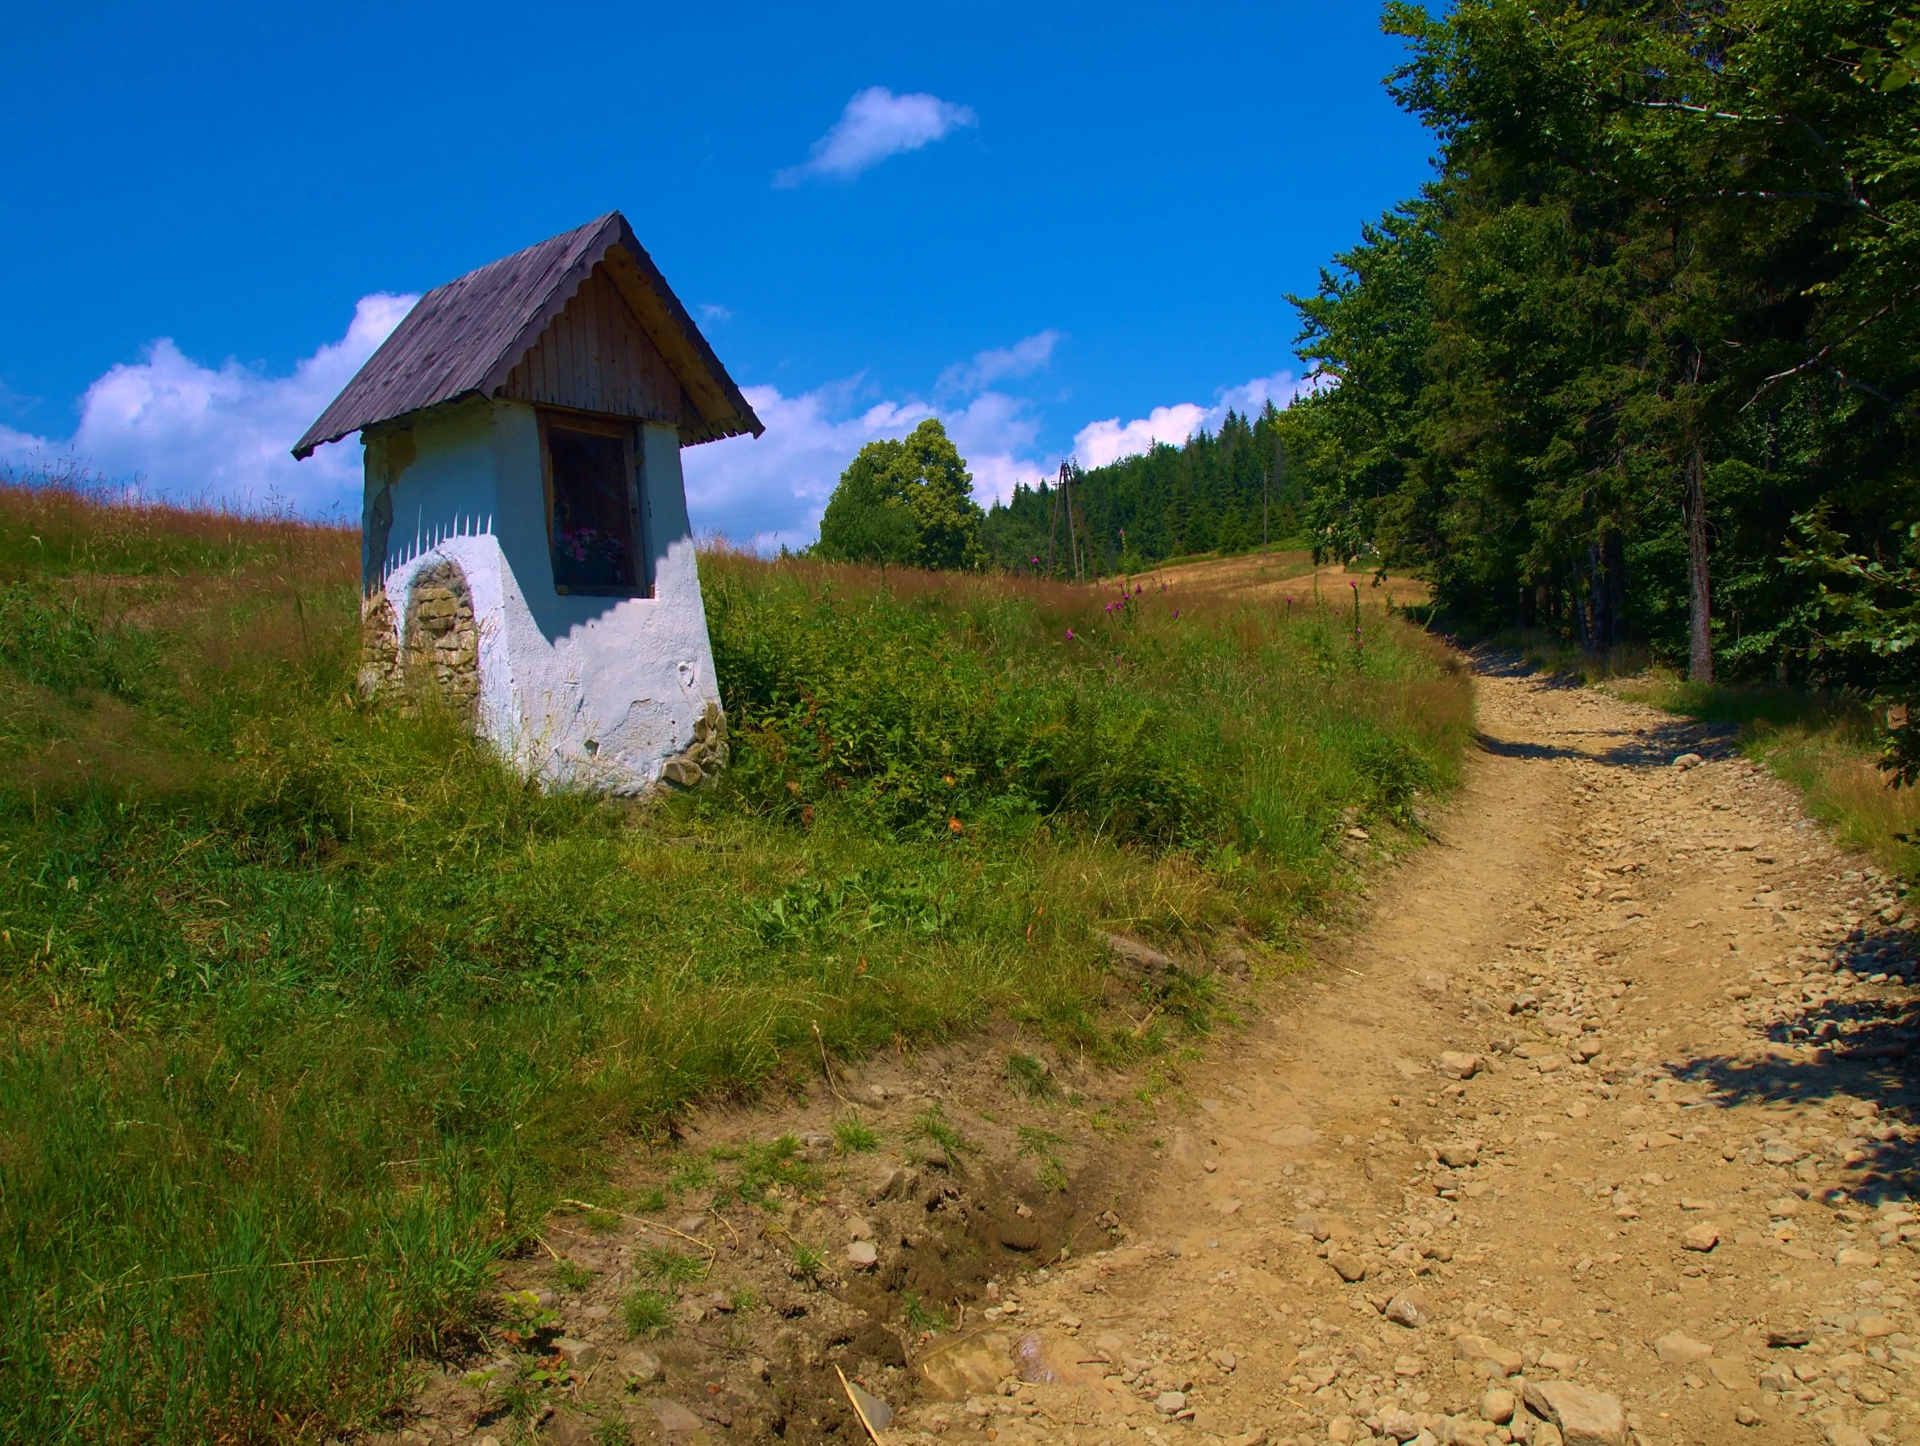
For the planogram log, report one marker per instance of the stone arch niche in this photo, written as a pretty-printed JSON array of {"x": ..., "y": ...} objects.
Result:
[{"x": 436, "y": 653}]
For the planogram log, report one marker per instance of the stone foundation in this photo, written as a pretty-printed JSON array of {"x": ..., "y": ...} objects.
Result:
[
  {"x": 438, "y": 651},
  {"x": 379, "y": 647},
  {"x": 708, "y": 753}
]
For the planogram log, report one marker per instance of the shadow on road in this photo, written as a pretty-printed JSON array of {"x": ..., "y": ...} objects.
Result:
[
  {"x": 1845, "y": 1053},
  {"x": 1654, "y": 747}
]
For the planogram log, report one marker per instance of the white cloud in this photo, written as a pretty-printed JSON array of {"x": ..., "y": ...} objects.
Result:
[
  {"x": 771, "y": 490},
  {"x": 996, "y": 433},
  {"x": 1098, "y": 443},
  {"x": 877, "y": 124},
  {"x": 711, "y": 312},
  {"x": 1023, "y": 358},
  {"x": 196, "y": 434}
]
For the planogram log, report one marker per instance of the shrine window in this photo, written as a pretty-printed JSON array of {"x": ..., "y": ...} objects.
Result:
[{"x": 594, "y": 531}]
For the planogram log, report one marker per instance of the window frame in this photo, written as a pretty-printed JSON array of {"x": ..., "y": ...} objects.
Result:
[{"x": 633, "y": 466}]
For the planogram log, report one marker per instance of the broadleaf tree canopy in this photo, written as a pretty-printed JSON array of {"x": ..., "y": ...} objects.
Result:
[{"x": 908, "y": 502}]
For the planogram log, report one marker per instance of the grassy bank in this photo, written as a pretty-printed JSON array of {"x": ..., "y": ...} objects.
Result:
[{"x": 312, "y": 1009}]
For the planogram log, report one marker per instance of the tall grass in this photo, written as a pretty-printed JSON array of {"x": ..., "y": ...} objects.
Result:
[
  {"x": 312, "y": 1008},
  {"x": 1150, "y": 718}
]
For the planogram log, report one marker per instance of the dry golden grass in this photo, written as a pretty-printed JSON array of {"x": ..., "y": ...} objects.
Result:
[
  {"x": 1837, "y": 767},
  {"x": 119, "y": 542},
  {"x": 1254, "y": 577}
]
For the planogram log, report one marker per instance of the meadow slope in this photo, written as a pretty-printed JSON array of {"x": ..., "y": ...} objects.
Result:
[{"x": 315, "y": 1010}]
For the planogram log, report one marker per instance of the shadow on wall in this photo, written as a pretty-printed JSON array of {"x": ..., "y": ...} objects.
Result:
[{"x": 666, "y": 535}]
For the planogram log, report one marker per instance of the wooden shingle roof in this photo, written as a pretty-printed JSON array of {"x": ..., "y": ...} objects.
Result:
[{"x": 462, "y": 339}]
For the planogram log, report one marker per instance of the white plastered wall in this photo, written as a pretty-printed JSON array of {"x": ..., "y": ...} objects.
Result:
[{"x": 586, "y": 691}]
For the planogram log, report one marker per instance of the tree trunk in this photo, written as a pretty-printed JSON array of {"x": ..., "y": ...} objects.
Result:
[
  {"x": 1599, "y": 631},
  {"x": 1615, "y": 555},
  {"x": 1699, "y": 595}
]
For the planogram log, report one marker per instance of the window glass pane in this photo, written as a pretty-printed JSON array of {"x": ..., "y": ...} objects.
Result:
[{"x": 592, "y": 515}]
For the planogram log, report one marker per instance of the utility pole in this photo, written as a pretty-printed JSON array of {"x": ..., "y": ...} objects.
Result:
[
  {"x": 1053, "y": 526},
  {"x": 1266, "y": 505},
  {"x": 1073, "y": 540}
]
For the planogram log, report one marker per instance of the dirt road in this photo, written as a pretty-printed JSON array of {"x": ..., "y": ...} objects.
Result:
[
  {"x": 1589, "y": 1118},
  {"x": 1596, "y": 1132}
]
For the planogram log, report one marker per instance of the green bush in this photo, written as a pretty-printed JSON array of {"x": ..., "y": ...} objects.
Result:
[{"x": 926, "y": 710}]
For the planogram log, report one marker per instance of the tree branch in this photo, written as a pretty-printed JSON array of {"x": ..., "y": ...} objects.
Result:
[
  {"x": 1819, "y": 358},
  {"x": 1775, "y": 120},
  {"x": 1819, "y": 141}
]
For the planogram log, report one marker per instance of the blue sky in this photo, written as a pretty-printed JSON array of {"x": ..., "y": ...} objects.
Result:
[{"x": 1061, "y": 228}]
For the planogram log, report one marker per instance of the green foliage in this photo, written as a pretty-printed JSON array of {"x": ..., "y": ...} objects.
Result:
[
  {"x": 1868, "y": 617},
  {"x": 570, "y": 1275},
  {"x": 647, "y": 1312},
  {"x": 853, "y": 1137},
  {"x": 1662, "y": 244},
  {"x": 985, "y": 710},
  {"x": 908, "y": 503},
  {"x": 1225, "y": 491},
  {"x": 523, "y": 1317}
]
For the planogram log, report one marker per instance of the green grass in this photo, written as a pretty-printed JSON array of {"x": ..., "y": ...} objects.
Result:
[
  {"x": 647, "y": 1313},
  {"x": 932, "y": 1126},
  {"x": 315, "y": 1010},
  {"x": 671, "y": 1268},
  {"x": 1030, "y": 1076},
  {"x": 852, "y": 1137},
  {"x": 1043, "y": 1147},
  {"x": 807, "y": 1262},
  {"x": 761, "y": 1169}
]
